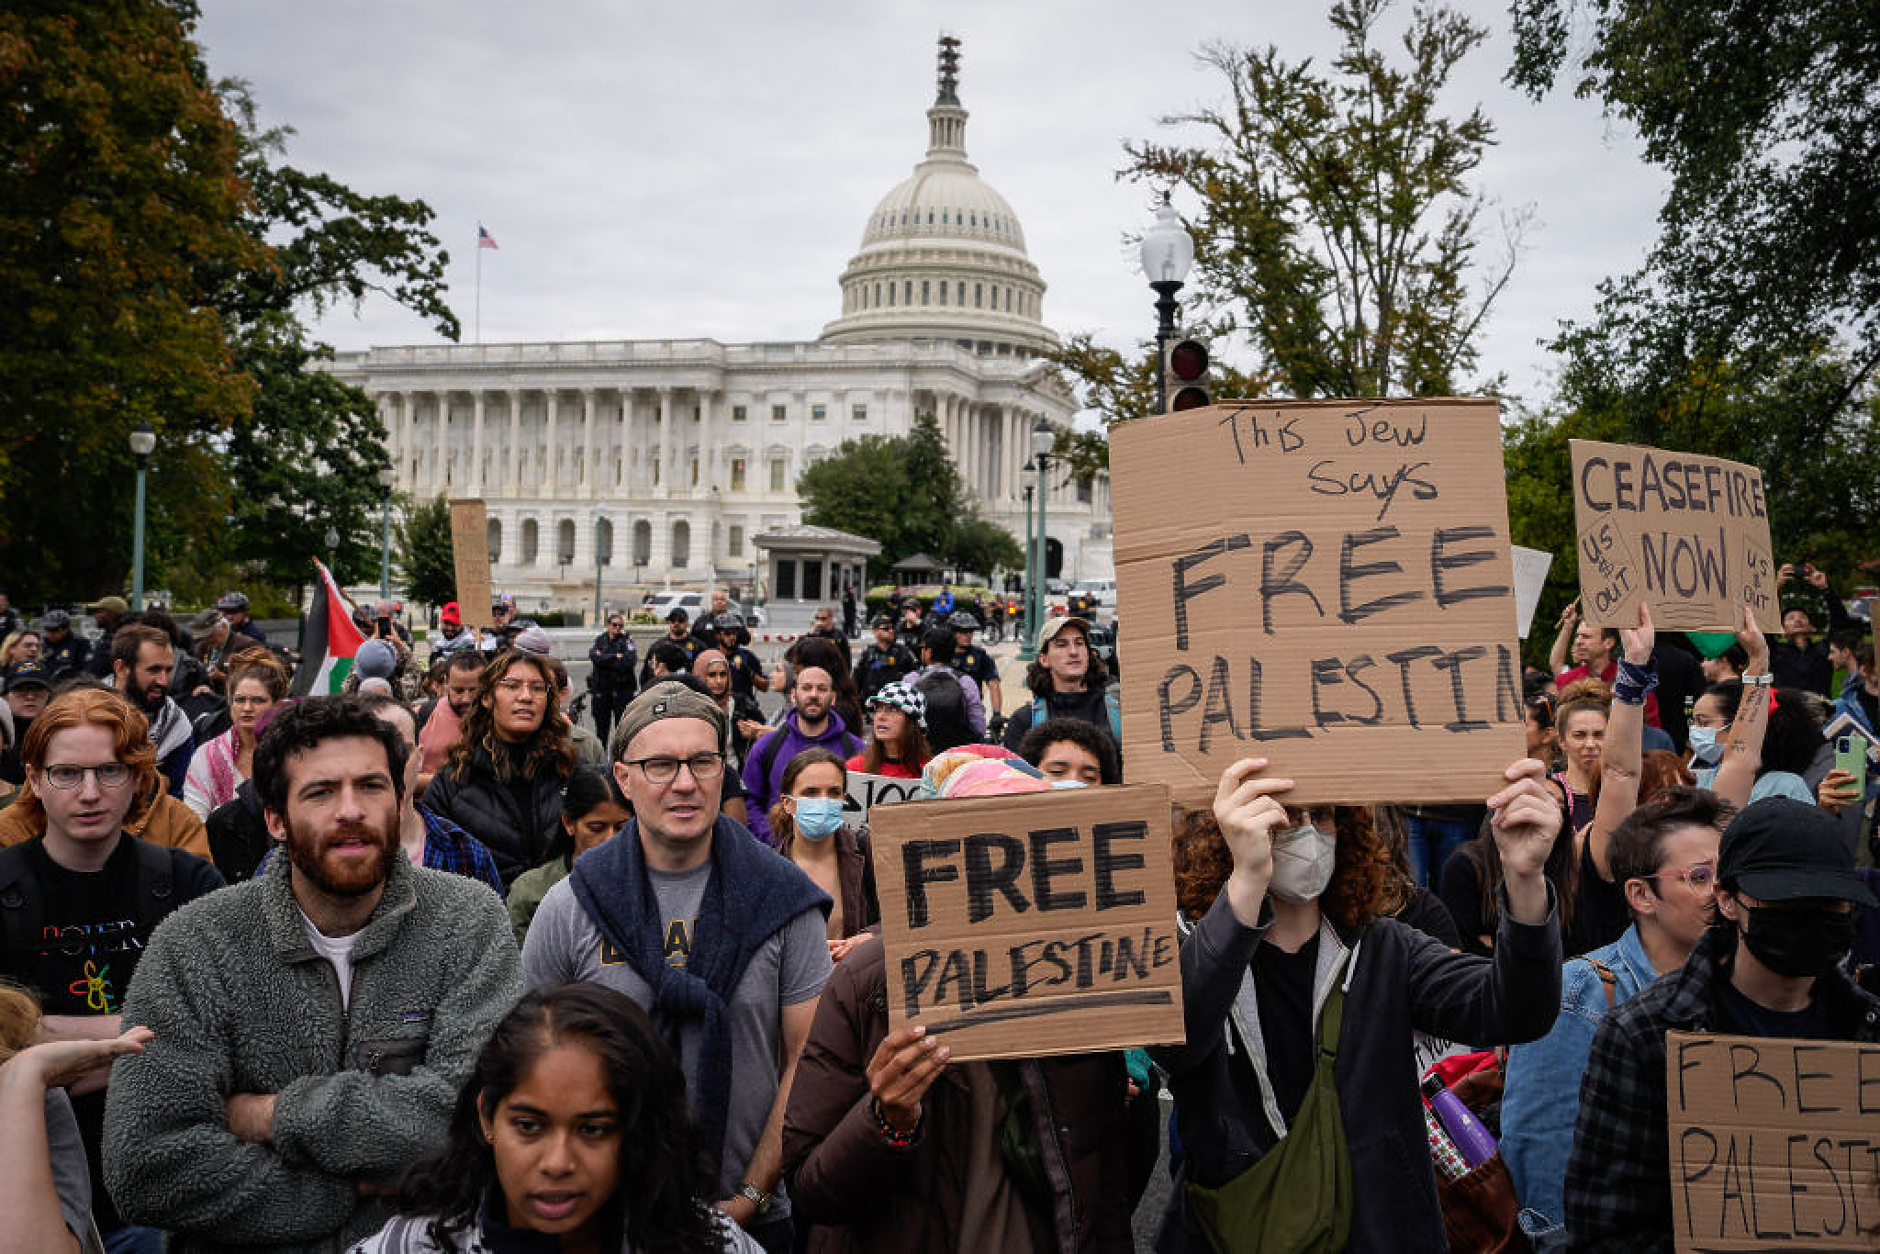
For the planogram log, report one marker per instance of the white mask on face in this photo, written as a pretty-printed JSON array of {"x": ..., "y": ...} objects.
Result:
[
  {"x": 1705, "y": 751},
  {"x": 1303, "y": 860}
]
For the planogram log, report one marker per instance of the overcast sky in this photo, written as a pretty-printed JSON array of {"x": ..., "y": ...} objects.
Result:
[{"x": 705, "y": 169}]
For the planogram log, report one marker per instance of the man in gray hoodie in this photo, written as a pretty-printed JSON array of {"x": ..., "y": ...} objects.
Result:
[{"x": 313, "y": 1025}]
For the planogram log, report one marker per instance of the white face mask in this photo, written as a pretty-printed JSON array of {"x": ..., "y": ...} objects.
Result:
[
  {"x": 1303, "y": 860},
  {"x": 1704, "y": 748}
]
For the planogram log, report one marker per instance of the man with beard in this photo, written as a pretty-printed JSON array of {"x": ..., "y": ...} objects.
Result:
[
  {"x": 142, "y": 661},
  {"x": 312, "y": 1025},
  {"x": 812, "y": 721},
  {"x": 85, "y": 881},
  {"x": 441, "y": 720}
]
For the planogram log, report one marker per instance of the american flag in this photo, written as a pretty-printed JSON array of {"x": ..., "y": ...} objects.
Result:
[{"x": 484, "y": 238}]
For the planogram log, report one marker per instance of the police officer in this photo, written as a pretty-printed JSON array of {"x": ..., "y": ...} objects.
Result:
[
  {"x": 747, "y": 673},
  {"x": 974, "y": 662},
  {"x": 63, "y": 650},
  {"x": 612, "y": 658},
  {"x": 884, "y": 661}
]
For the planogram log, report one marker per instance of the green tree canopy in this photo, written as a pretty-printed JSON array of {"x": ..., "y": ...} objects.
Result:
[{"x": 424, "y": 553}]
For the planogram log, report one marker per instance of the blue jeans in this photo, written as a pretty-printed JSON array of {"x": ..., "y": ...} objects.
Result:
[
  {"x": 1429, "y": 842},
  {"x": 134, "y": 1241}
]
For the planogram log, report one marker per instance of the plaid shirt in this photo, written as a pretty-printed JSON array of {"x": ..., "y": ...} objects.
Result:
[
  {"x": 448, "y": 847},
  {"x": 1618, "y": 1192}
]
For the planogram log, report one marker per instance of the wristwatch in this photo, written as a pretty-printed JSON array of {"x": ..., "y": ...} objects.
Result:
[{"x": 756, "y": 1197}]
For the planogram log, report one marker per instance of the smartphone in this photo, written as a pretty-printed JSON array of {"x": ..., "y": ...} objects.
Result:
[
  {"x": 1850, "y": 755},
  {"x": 385, "y": 627}
]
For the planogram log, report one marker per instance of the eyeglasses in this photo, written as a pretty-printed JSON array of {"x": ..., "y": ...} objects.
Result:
[
  {"x": 1698, "y": 879},
  {"x": 615, "y": 623},
  {"x": 108, "y": 775},
  {"x": 704, "y": 766},
  {"x": 515, "y": 687}
]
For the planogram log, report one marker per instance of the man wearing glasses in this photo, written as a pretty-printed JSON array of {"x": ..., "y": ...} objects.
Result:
[
  {"x": 612, "y": 660},
  {"x": 80, "y": 900},
  {"x": 1664, "y": 859},
  {"x": 721, "y": 941}
]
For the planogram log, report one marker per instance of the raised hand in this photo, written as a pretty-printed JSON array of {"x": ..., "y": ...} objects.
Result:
[
  {"x": 1638, "y": 641},
  {"x": 1525, "y": 822},
  {"x": 1248, "y": 812},
  {"x": 1754, "y": 643}
]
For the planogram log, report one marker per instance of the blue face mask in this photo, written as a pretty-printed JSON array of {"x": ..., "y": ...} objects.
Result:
[
  {"x": 1704, "y": 748},
  {"x": 818, "y": 818}
]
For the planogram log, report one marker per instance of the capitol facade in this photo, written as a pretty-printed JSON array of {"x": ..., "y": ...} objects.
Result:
[{"x": 668, "y": 458}]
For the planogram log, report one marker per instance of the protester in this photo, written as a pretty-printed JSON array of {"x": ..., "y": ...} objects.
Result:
[
  {"x": 935, "y": 648},
  {"x": 948, "y": 716},
  {"x": 1066, "y": 681},
  {"x": 1072, "y": 750},
  {"x": 721, "y": 940},
  {"x": 845, "y": 698},
  {"x": 1584, "y": 710},
  {"x": 1781, "y": 920},
  {"x": 257, "y": 682},
  {"x": 808, "y": 827},
  {"x": 1272, "y": 952},
  {"x": 503, "y": 780},
  {"x": 142, "y": 661},
  {"x": 441, "y": 721},
  {"x": 884, "y": 661},
  {"x": 892, "y": 1146},
  {"x": 811, "y": 722},
  {"x": 572, "y": 1127},
  {"x": 1664, "y": 854},
  {"x": 312, "y": 1026},
  {"x": 450, "y": 629},
  {"x": 612, "y": 660},
  {"x": 731, "y": 799},
  {"x": 81, "y": 900},
  {"x": 427, "y": 838},
  {"x": 1595, "y": 651},
  {"x": 1796, "y": 658},
  {"x": 592, "y": 811},
  {"x": 897, "y": 743},
  {"x": 46, "y": 1191},
  {"x": 21, "y": 646},
  {"x": 714, "y": 669},
  {"x": 1750, "y": 740},
  {"x": 234, "y": 607}
]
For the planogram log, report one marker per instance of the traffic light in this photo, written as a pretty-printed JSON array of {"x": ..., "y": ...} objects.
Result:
[{"x": 1186, "y": 370}]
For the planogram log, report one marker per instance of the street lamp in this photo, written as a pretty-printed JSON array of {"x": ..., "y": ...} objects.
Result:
[
  {"x": 387, "y": 477},
  {"x": 143, "y": 444},
  {"x": 332, "y": 545},
  {"x": 1167, "y": 253},
  {"x": 1042, "y": 440},
  {"x": 601, "y": 558}
]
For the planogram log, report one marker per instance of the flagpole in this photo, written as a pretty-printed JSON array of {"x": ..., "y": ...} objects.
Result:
[{"x": 479, "y": 322}]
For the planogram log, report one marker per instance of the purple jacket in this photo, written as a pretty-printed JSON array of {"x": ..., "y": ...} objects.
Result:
[{"x": 765, "y": 763}]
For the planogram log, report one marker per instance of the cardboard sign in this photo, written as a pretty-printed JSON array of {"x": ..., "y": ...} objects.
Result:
[
  {"x": 470, "y": 556},
  {"x": 1530, "y": 579},
  {"x": 1774, "y": 1143},
  {"x": 1325, "y": 584},
  {"x": 1036, "y": 924},
  {"x": 869, "y": 791},
  {"x": 1688, "y": 535}
]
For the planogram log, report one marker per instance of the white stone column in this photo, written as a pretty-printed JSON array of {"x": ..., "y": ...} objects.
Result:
[
  {"x": 589, "y": 451},
  {"x": 474, "y": 480},
  {"x": 513, "y": 450},
  {"x": 551, "y": 478},
  {"x": 662, "y": 535},
  {"x": 668, "y": 450},
  {"x": 440, "y": 473}
]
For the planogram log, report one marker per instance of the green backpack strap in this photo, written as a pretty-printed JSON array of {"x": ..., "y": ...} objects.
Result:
[{"x": 1113, "y": 703}]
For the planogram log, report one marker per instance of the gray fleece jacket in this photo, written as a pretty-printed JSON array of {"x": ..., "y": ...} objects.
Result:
[{"x": 241, "y": 1003}]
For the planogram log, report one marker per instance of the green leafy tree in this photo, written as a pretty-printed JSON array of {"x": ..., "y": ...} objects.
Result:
[
  {"x": 1338, "y": 228},
  {"x": 982, "y": 546},
  {"x": 424, "y": 553}
]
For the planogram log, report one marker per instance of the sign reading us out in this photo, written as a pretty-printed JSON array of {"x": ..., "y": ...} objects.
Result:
[
  {"x": 1325, "y": 584},
  {"x": 1034, "y": 924},
  {"x": 1684, "y": 534}
]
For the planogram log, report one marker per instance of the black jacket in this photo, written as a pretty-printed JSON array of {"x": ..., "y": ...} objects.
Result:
[
  {"x": 1088, "y": 705},
  {"x": 613, "y": 659},
  {"x": 68, "y": 657},
  {"x": 238, "y": 834},
  {"x": 487, "y": 808},
  {"x": 1398, "y": 980}
]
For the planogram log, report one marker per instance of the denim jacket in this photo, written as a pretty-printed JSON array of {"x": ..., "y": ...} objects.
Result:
[{"x": 1541, "y": 1096}]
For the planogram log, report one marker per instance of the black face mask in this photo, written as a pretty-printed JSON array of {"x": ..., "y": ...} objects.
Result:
[{"x": 1798, "y": 941}]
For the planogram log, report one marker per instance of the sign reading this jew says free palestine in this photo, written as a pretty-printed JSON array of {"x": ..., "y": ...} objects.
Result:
[
  {"x": 1325, "y": 584},
  {"x": 1034, "y": 924},
  {"x": 1685, "y": 534}
]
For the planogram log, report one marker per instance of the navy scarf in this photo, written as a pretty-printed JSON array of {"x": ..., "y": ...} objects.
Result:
[{"x": 751, "y": 894}]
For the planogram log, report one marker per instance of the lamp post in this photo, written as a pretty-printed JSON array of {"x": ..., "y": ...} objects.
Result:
[
  {"x": 1042, "y": 438},
  {"x": 332, "y": 546},
  {"x": 1167, "y": 253},
  {"x": 387, "y": 477},
  {"x": 601, "y": 558},
  {"x": 143, "y": 444}
]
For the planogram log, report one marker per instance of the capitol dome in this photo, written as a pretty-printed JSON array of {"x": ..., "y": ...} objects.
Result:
[{"x": 943, "y": 255}]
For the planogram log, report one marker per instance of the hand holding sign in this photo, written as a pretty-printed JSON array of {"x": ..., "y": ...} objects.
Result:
[
  {"x": 1249, "y": 814},
  {"x": 904, "y": 1067},
  {"x": 1639, "y": 641},
  {"x": 1526, "y": 821}
]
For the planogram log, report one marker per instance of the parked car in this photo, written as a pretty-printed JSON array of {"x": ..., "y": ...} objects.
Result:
[
  {"x": 1100, "y": 591},
  {"x": 663, "y": 602}
]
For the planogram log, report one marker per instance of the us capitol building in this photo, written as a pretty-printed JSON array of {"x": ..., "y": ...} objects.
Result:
[{"x": 674, "y": 456}]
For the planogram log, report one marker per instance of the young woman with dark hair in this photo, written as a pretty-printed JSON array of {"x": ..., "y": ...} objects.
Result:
[
  {"x": 572, "y": 1132},
  {"x": 1301, "y": 1003},
  {"x": 503, "y": 781},
  {"x": 897, "y": 738},
  {"x": 592, "y": 811},
  {"x": 808, "y": 827}
]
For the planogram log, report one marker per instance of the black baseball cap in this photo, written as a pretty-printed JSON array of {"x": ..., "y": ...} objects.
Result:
[
  {"x": 1779, "y": 849},
  {"x": 678, "y": 615},
  {"x": 26, "y": 675},
  {"x": 884, "y": 620}
]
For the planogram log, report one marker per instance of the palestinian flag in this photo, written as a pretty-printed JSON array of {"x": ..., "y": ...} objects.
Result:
[{"x": 328, "y": 640}]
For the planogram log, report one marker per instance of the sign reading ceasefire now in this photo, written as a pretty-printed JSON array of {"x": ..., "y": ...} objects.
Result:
[
  {"x": 1685, "y": 534},
  {"x": 1033, "y": 924},
  {"x": 1326, "y": 584}
]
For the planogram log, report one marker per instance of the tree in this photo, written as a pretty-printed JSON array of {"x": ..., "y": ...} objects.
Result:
[
  {"x": 982, "y": 546},
  {"x": 426, "y": 564},
  {"x": 1764, "y": 114},
  {"x": 1338, "y": 230}
]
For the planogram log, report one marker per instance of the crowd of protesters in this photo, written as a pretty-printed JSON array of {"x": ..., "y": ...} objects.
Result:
[{"x": 430, "y": 964}]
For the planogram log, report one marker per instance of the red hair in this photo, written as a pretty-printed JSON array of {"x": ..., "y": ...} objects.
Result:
[{"x": 130, "y": 744}]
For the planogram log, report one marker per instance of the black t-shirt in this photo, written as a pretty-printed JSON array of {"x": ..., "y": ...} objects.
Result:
[
  {"x": 1427, "y": 914},
  {"x": 1282, "y": 983},
  {"x": 1746, "y": 1018},
  {"x": 1461, "y": 894},
  {"x": 1600, "y": 916}
]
